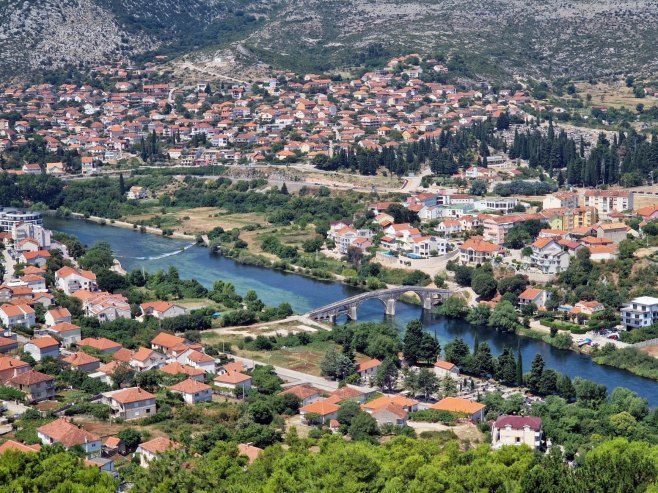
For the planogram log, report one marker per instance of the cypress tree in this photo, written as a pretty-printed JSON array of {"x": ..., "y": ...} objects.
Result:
[{"x": 519, "y": 369}]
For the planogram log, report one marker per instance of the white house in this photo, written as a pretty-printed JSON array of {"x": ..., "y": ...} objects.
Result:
[
  {"x": 130, "y": 403},
  {"x": 137, "y": 193},
  {"x": 42, "y": 347},
  {"x": 57, "y": 315},
  {"x": 17, "y": 316},
  {"x": 161, "y": 309},
  {"x": 640, "y": 312},
  {"x": 444, "y": 369},
  {"x": 149, "y": 451},
  {"x": 197, "y": 359},
  {"x": 70, "y": 435},
  {"x": 193, "y": 391},
  {"x": 548, "y": 256},
  {"x": 534, "y": 295},
  {"x": 71, "y": 280},
  {"x": 227, "y": 383}
]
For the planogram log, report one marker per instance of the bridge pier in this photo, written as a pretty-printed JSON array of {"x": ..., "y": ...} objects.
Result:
[
  {"x": 390, "y": 307},
  {"x": 351, "y": 313},
  {"x": 428, "y": 302}
]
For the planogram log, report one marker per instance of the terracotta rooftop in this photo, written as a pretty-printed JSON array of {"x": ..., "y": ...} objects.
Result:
[
  {"x": 158, "y": 445},
  {"x": 190, "y": 386},
  {"x": 458, "y": 405},
  {"x": 66, "y": 433},
  {"x": 132, "y": 394}
]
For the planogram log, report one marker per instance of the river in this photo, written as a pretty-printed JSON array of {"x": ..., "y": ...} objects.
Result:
[{"x": 139, "y": 250}]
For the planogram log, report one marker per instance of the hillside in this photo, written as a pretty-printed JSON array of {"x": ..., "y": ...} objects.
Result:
[{"x": 541, "y": 38}]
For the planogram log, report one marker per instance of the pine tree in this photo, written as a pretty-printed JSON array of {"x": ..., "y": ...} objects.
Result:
[
  {"x": 519, "y": 368},
  {"x": 284, "y": 189},
  {"x": 536, "y": 371}
]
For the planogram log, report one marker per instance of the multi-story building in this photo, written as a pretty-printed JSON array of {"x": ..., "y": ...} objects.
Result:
[
  {"x": 548, "y": 256},
  {"x": 497, "y": 227},
  {"x": 130, "y": 403},
  {"x": 607, "y": 201},
  {"x": 640, "y": 312},
  {"x": 561, "y": 199},
  {"x": 71, "y": 280},
  {"x": 10, "y": 217},
  {"x": 566, "y": 219},
  {"x": 37, "y": 386},
  {"x": 477, "y": 251},
  {"x": 497, "y": 204},
  {"x": 517, "y": 430}
]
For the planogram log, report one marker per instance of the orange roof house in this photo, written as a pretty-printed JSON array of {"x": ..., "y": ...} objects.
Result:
[{"x": 474, "y": 410}]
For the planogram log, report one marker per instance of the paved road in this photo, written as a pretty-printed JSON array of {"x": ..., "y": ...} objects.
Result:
[
  {"x": 292, "y": 375},
  {"x": 9, "y": 264}
]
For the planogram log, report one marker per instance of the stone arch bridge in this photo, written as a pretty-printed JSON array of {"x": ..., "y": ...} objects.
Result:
[{"x": 349, "y": 306}]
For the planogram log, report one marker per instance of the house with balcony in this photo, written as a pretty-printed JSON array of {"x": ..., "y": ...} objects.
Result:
[
  {"x": 534, "y": 295},
  {"x": 476, "y": 250},
  {"x": 13, "y": 316},
  {"x": 428, "y": 246},
  {"x": 548, "y": 256},
  {"x": 161, "y": 309},
  {"x": 130, "y": 403},
  {"x": 71, "y": 280},
  {"x": 640, "y": 312}
]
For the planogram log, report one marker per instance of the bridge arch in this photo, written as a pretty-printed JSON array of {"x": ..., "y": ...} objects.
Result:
[{"x": 388, "y": 297}]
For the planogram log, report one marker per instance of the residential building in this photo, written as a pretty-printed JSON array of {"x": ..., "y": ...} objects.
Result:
[
  {"x": 57, "y": 315},
  {"x": 232, "y": 383},
  {"x": 136, "y": 193},
  {"x": 367, "y": 369},
  {"x": 161, "y": 309},
  {"x": 37, "y": 386},
  {"x": 18, "y": 447},
  {"x": 11, "y": 217},
  {"x": 516, "y": 430},
  {"x": 17, "y": 316},
  {"x": 608, "y": 201},
  {"x": 82, "y": 361},
  {"x": 175, "y": 368},
  {"x": 197, "y": 359},
  {"x": 444, "y": 369},
  {"x": 71, "y": 280},
  {"x": 322, "y": 409},
  {"x": 167, "y": 342},
  {"x": 305, "y": 393},
  {"x": 640, "y": 312},
  {"x": 472, "y": 410},
  {"x": 534, "y": 295},
  {"x": 564, "y": 218},
  {"x": 548, "y": 256},
  {"x": 8, "y": 344},
  {"x": 588, "y": 308},
  {"x": 100, "y": 344},
  {"x": 11, "y": 367},
  {"x": 616, "y": 232},
  {"x": 561, "y": 199},
  {"x": 149, "y": 451},
  {"x": 390, "y": 414},
  {"x": 69, "y": 435},
  {"x": 65, "y": 332},
  {"x": 130, "y": 403},
  {"x": 428, "y": 246},
  {"x": 193, "y": 391},
  {"x": 42, "y": 347},
  {"x": 147, "y": 359},
  {"x": 104, "y": 306},
  {"x": 408, "y": 405},
  {"x": 476, "y": 250},
  {"x": 497, "y": 227}
]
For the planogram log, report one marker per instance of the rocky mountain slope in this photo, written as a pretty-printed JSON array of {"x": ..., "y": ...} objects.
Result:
[{"x": 504, "y": 38}]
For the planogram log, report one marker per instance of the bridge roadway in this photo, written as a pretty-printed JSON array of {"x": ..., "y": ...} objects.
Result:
[{"x": 349, "y": 306}]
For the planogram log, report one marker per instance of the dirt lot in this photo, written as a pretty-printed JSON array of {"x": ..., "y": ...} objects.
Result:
[
  {"x": 651, "y": 350},
  {"x": 467, "y": 431}
]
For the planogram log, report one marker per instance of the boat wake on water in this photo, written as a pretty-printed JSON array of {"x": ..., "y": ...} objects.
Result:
[{"x": 162, "y": 255}]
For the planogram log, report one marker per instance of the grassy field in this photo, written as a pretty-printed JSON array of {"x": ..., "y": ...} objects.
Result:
[{"x": 613, "y": 95}]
